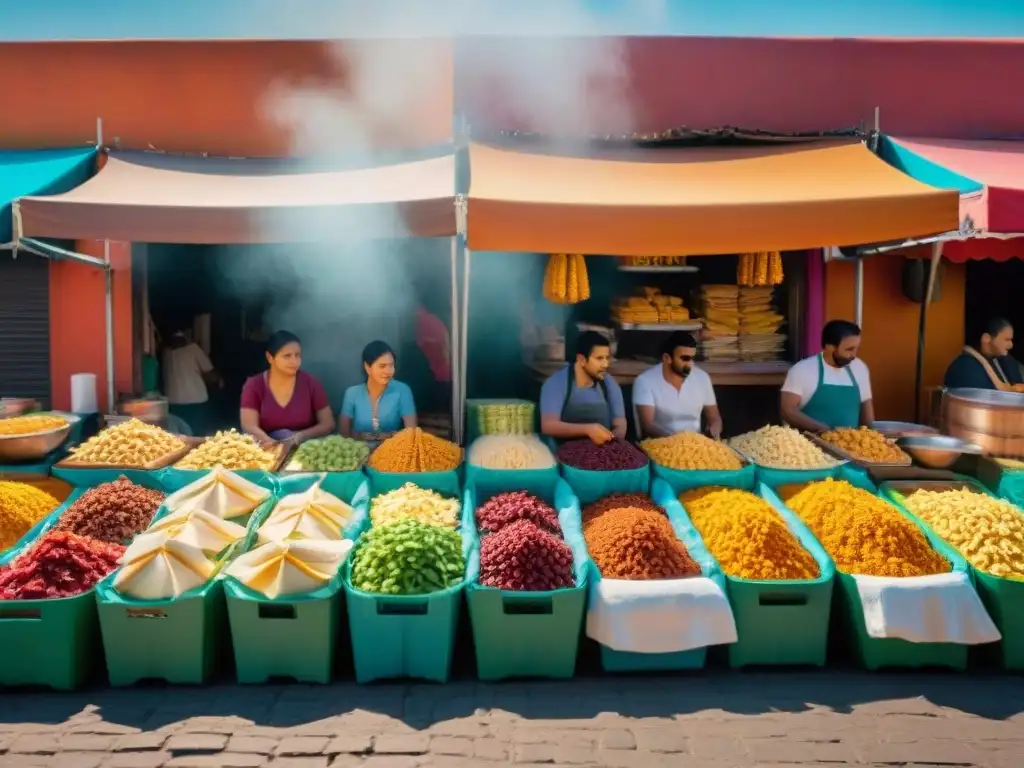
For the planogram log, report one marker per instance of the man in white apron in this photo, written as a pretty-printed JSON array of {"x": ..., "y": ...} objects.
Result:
[{"x": 581, "y": 400}]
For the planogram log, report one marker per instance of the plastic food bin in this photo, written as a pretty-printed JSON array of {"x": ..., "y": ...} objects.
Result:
[{"x": 527, "y": 634}]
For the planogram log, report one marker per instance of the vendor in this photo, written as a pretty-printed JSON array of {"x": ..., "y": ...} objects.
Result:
[
  {"x": 285, "y": 403},
  {"x": 188, "y": 374},
  {"x": 672, "y": 396},
  {"x": 831, "y": 389},
  {"x": 581, "y": 400},
  {"x": 380, "y": 407},
  {"x": 987, "y": 364}
]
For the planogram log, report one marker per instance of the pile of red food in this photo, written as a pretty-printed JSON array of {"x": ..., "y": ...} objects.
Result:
[
  {"x": 507, "y": 508},
  {"x": 613, "y": 455},
  {"x": 114, "y": 512},
  {"x": 523, "y": 550},
  {"x": 60, "y": 564}
]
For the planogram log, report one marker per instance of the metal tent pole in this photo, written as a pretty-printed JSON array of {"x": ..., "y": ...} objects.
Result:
[
  {"x": 464, "y": 345},
  {"x": 109, "y": 279},
  {"x": 922, "y": 326},
  {"x": 453, "y": 346},
  {"x": 858, "y": 292}
]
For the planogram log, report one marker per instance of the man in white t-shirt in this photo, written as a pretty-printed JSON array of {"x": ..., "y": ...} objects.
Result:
[
  {"x": 831, "y": 389},
  {"x": 672, "y": 396}
]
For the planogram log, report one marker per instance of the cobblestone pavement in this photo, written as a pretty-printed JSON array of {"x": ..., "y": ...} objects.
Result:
[{"x": 716, "y": 720}]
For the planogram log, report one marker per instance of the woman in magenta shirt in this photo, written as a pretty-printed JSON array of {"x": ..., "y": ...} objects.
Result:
[{"x": 285, "y": 403}]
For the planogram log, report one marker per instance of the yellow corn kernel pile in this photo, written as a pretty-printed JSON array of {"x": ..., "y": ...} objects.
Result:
[
  {"x": 232, "y": 450},
  {"x": 864, "y": 534},
  {"x": 131, "y": 443},
  {"x": 747, "y": 537},
  {"x": 867, "y": 445},
  {"x": 21, "y": 506},
  {"x": 413, "y": 450},
  {"x": 783, "y": 447},
  {"x": 411, "y": 501},
  {"x": 988, "y": 532},
  {"x": 27, "y": 425},
  {"x": 689, "y": 450}
]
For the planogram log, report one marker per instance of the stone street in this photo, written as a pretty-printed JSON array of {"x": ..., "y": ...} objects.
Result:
[{"x": 711, "y": 720}]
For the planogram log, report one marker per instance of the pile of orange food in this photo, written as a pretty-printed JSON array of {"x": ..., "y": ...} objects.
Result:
[{"x": 413, "y": 451}]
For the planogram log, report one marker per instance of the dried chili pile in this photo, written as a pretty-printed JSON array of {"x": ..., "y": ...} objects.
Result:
[
  {"x": 60, "y": 564},
  {"x": 507, "y": 508},
  {"x": 114, "y": 512},
  {"x": 619, "y": 501},
  {"x": 613, "y": 455},
  {"x": 522, "y": 556},
  {"x": 637, "y": 544}
]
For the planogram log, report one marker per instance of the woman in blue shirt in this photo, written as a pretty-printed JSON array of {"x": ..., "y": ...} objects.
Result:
[{"x": 382, "y": 406}]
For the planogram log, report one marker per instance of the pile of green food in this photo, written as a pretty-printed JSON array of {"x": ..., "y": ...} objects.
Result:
[
  {"x": 408, "y": 557},
  {"x": 330, "y": 454}
]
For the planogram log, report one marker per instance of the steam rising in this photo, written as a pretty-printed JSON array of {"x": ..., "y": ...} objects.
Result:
[{"x": 352, "y": 286}]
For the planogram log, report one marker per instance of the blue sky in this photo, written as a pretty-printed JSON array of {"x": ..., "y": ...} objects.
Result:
[{"x": 28, "y": 20}]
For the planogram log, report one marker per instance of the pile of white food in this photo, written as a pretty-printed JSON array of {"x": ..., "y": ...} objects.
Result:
[
  {"x": 510, "y": 452},
  {"x": 783, "y": 447}
]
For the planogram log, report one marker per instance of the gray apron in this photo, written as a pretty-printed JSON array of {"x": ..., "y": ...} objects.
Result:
[{"x": 574, "y": 412}]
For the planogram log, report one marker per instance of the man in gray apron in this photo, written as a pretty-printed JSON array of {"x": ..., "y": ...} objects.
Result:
[{"x": 581, "y": 400}]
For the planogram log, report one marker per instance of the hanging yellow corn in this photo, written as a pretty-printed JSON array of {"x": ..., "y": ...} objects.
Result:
[
  {"x": 762, "y": 269},
  {"x": 775, "y": 274},
  {"x": 565, "y": 279}
]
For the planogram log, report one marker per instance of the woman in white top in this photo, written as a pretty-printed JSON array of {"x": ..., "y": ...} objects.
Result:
[{"x": 187, "y": 373}]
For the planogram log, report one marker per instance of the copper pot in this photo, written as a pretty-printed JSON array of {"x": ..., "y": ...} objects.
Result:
[{"x": 992, "y": 419}]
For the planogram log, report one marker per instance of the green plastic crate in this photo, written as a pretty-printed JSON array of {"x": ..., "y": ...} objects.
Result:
[
  {"x": 848, "y": 615},
  {"x": 294, "y": 636},
  {"x": 397, "y": 636},
  {"x": 181, "y": 640},
  {"x": 1003, "y": 598},
  {"x": 591, "y": 485},
  {"x": 685, "y": 479},
  {"x": 53, "y": 642},
  {"x": 527, "y": 634},
  {"x": 677, "y": 661},
  {"x": 782, "y": 623}
]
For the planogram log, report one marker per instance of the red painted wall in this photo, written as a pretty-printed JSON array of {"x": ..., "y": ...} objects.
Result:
[{"x": 936, "y": 88}]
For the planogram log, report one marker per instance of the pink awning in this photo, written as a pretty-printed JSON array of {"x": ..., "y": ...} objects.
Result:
[{"x": 145, "y": 197}]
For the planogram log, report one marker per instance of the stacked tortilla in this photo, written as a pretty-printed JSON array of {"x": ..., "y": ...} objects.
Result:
[
  {"x": 720, "y": 309},
  {"x": 759, "y": 324}
]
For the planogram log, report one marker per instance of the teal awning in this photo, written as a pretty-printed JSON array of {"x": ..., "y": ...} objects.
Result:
[{"x": 39, "y": 172}]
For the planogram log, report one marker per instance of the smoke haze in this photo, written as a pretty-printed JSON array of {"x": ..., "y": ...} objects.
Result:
[{"x": 352, "y": 285}]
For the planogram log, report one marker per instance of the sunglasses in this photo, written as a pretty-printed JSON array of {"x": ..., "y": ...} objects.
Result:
[{"x": 687, "y": 358}]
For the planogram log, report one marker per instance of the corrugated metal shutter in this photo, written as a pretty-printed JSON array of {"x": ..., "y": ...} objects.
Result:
[{"x": 24, "y": 326}]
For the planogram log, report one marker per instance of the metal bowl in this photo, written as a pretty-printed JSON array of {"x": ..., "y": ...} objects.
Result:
[
  {"x": 903, "y": 429},
  {"x": 37, "y": 444},
  {"x": 938, "y": 451}
]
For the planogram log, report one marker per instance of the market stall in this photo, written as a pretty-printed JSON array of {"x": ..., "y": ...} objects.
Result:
[
  {"x": 643, "y": 203},
  {"x": 988, "y": 176},
  {"x": 160, "y": 198},
  {"x": 25, "y": 281}
]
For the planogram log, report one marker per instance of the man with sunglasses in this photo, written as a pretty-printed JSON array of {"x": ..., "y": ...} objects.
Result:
[{"x": 672, "y": 396}]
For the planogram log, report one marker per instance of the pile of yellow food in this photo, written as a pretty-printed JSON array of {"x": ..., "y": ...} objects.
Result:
[
  {"x": 1011, "y": 464},
  {"x": 719, "y": 306},
  {"x": 510, "y": 452},
  {"x": 689, "y": 450},
  {"x": 27, "y": 425},
  {"x": 565, "y": 279},
  {"x": 131, "y": 443},
  {"x": 988, "y": 532},
  {"x": 782, "y": 447},
  {"x": 413, "y": 450},
  {"x": 232, "y": 450},
  {"x": 651, "y": 307},
  {"x": 411, "y": 501},
  {"x": 747, "y": 537},
  {"x": 863, "y": 534},
  {"x": 21, "y": 506},
  {"x": 866, "y": 444}
]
